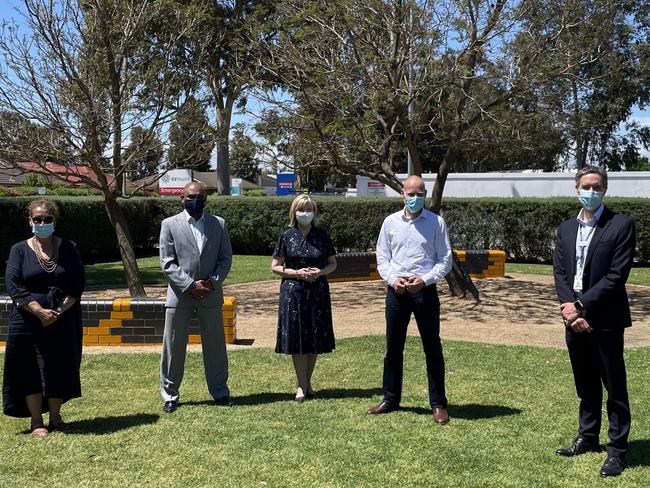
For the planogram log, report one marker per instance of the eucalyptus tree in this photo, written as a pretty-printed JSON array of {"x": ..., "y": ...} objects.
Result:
[
  {"x": 364, "y": 79},
  {"x": 88, "y": 71},
  {"x": 191, "y": 138},
  {"x": 224, "y": 54},
  {"x": 144, "y": 153}
]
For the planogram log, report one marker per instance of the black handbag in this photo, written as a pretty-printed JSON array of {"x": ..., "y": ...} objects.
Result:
[{"x": 55, "y": 297}]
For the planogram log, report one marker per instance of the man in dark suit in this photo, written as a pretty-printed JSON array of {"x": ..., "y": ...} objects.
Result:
[
  {"x": 196, "y": 255},
  {"x": 592, "y": 260}
]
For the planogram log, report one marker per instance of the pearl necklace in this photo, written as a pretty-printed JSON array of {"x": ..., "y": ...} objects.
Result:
[{"x": 48, "y": 265}]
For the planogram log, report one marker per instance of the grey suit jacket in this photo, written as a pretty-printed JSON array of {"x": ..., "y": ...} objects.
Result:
[{"x": 183, "y": 265}]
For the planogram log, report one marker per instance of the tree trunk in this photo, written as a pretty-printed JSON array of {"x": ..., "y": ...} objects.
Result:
[
  {"x": 441, "y": 179},
  {"x": 124, "y": 242},
  {"x": 223, "y": 160},
  {"x": 460, "y": 283}
]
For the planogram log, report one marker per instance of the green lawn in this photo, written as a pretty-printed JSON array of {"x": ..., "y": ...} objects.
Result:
[
  {"x": 245, "y": 269},
  {"x": 638, "y": 276},
  {"x": 511, "y": 407}
]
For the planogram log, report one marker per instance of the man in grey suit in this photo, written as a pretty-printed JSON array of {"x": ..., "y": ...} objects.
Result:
[{"x": 196, "y": 255}]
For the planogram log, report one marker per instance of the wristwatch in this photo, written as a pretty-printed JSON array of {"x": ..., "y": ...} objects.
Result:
[{"x": 578, "y": 305}]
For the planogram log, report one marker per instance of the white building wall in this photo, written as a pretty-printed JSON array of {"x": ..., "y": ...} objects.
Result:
[{"x": 468, "y": 185}]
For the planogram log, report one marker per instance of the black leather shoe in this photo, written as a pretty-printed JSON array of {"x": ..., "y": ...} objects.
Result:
[
  {"x": 613, "y": 466},
  {"x": 383, "y": 407},
  {"x": 169, "y": 407},
  {"x": 580, "y": 446},
  {"x": 224, "y": 401}
]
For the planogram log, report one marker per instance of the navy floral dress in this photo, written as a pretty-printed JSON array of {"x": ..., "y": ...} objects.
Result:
[{"x": 305, "y": 311}]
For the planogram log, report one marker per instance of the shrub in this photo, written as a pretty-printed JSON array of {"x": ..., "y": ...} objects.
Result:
[
  {"x": 255, "y": 192},
  {"x": 7, "y": 192},
  {"x": 524, "y": 228}
]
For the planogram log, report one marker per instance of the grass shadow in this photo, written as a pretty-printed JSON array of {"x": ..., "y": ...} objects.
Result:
[
  {"x": 638, "y": 453},
  {"x": 110, "y": 425},
  {"x": 333, "y": 393},
  {"x": 274, "y": 397},
  {"x": 245, "y": 400},
  {"x": 470, "y": 411}
]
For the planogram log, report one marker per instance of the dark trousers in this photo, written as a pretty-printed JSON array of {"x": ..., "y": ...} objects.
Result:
[
  {"x": 426, "y": 307},
  {"x": 597, "y": 360}
]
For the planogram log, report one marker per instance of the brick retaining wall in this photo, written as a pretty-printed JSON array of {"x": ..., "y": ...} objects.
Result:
[{"x": 126, "y": 321}]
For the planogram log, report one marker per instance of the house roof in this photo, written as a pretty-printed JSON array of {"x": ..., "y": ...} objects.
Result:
[
  {"x": 69, "y": 173},
  {"x": 9, "y": 175}
]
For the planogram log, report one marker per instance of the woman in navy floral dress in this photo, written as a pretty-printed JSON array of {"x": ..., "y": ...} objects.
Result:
[{"x": 304, "y": 256}]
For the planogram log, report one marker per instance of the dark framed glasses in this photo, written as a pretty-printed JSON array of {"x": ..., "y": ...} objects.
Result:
[{"x": 43, "y": 220}]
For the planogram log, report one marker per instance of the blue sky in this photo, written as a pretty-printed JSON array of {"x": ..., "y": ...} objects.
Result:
[{"x": 7, "y": 13}]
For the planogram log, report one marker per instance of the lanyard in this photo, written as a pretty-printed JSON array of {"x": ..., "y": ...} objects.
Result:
[{"x": 582, "y": 243}]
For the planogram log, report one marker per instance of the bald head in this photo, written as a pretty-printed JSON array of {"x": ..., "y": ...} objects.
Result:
[
  {"x": 414, "y": 186},
  {"x": 194, "y": 189}
]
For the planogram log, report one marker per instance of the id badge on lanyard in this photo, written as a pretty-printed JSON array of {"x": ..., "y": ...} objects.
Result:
[{"x": 582, "y": 254}]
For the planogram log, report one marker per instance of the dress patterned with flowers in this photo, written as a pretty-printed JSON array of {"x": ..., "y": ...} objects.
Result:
[{"x": 305, "y": 311}]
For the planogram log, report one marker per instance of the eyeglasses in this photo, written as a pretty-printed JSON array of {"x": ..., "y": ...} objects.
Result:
[{"x": 43, "y": 220}]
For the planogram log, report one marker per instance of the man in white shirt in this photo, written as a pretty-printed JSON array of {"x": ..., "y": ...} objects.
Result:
[
  {"x": 413, "y": 252},
  {"x": 195, "y": 254}
]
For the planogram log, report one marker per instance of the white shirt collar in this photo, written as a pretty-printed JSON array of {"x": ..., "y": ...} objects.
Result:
[
  {"x": 191, "y": 219},
  {"x": 422, "y": 215},
  {"x": 594, "y": 219}
]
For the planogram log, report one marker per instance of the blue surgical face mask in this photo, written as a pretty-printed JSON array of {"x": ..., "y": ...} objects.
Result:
[
  {"x": 414, "y": 204},
  {"x": 194, "y": 206},
  {"x": 304, "y": 218},
  {"x": 43, "y": 230},
  {"x": 590, "y": 199}
]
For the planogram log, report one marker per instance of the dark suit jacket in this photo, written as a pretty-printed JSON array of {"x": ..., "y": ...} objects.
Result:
[{"x": 607, "y": 266}]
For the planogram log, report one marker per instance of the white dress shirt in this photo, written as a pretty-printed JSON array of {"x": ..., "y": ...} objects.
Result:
[
  {"x": 197, "y": 229},
  {"x": 417, "y": 247},
  {"x": 586, "y": 229}
]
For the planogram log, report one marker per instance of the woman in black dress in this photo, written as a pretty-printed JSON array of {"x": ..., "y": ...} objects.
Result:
[
  {"x": 45, "y": 279},
  {"x": 304, "y": 257}
]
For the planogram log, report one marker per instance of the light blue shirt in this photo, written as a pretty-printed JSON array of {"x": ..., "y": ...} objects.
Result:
[
  {"x": 586, "y": 229},
  {"x": 418, "y": 247}
]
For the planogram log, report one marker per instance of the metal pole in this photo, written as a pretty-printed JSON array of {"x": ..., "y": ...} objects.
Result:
[{"x": 409, "y": 163}]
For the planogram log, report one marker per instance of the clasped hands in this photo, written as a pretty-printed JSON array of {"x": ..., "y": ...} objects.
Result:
[
  {"x": 308, "y": 274},
  {"x": 202, "y": 288},
  {"x": 573, "y": 319},
  {"x": 412, "y": 284},
  {"x": 47, "y": 316}
]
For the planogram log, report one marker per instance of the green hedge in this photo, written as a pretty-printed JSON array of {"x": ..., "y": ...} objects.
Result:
[
  {"x": 524, "y": 228},
  {"x": 84, "y": 220}
]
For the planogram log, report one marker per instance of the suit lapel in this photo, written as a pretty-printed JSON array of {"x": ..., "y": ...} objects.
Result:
[
  {"x": 601, "y": 226},
  {"x": 208, "y": 230},
  {"x": 571, "y": 245}
]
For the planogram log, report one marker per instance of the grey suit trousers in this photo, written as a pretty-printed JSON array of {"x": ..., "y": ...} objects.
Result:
[{"x": 215, "y": 359}]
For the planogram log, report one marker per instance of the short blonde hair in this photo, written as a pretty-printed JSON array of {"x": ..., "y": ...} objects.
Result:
[
  {"x": 299, "y": 203},
  {"x": 51, "y": 207}
]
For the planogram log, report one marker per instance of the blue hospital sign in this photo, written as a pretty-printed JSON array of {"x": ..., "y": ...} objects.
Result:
[{"x": 284, "y": 184}]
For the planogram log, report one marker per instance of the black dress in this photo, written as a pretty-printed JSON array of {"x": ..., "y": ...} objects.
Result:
[
  {"x": 42, "y": 359},
  {"x": 305, "y": 311}
]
